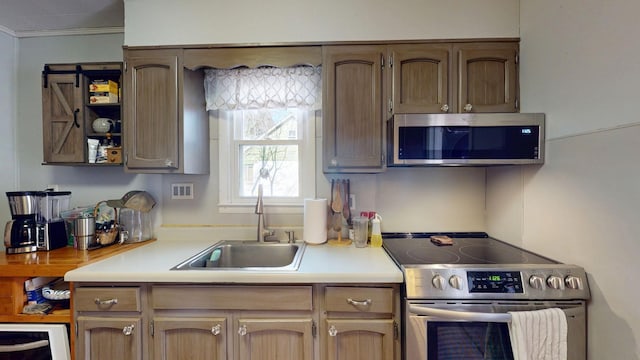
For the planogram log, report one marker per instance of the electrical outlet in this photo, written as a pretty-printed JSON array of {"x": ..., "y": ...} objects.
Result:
[
  {"x": 181, "y": 191},
  {"x": 352, "y": 201}
]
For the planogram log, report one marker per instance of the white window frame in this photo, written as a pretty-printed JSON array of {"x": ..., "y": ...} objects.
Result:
[{"x": 228, "y": 167}]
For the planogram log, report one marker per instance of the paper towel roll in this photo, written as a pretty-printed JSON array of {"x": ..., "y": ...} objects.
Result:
[{"x": 315, "y": 221}]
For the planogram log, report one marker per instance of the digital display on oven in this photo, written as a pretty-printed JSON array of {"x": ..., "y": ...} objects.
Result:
[{"x": 494, "y": 281}]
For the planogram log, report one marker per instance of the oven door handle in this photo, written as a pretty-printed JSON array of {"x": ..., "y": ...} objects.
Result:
[
  {"x": 477, "y": 316},
  {"x": 23, "y": 347},
  {"x": 460, "y": 315}
]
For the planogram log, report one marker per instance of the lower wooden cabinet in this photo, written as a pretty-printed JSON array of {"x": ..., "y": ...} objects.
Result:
[
  {"x": 107, "y": 338},
  {"x": 237, "y": 322},
  {"x": 360, "y": 339},
  {"x": 275, "y": 338},
  {"x": 190, "y": 338}
]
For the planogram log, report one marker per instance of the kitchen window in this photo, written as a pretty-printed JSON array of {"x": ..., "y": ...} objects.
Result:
[{"x": 266, "y": 123}]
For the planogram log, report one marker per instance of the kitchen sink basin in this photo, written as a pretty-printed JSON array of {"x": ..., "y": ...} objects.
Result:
[{"x": 239, "y": 255}]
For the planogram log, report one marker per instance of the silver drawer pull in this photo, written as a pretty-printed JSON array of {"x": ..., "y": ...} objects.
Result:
[
  {"x": 366, "y": 302},
  {"x": 128, "y": 330},
  {"x": 105, "y": 302}
]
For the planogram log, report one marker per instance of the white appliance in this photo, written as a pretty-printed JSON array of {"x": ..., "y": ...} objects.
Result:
[{"x": 34, "y": 341}]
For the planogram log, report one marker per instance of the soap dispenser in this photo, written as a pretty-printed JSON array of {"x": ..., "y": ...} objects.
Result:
[{"x": 376, "y": 235}]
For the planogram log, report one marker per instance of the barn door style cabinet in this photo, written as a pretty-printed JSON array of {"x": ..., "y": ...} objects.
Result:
[{"x": 71, "y": 103}]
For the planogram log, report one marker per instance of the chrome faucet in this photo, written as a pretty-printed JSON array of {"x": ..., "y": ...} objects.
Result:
[{"x": 263, "y": 232}]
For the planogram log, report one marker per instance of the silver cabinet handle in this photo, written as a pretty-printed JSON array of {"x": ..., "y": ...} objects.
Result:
[
  {"x": 216, "y": 330},
  {"x": 333, "y": 331},
  {"x": 468, "y": 107},
  {"x": 445, "y": 108},
  {"x": 128, "y": 330},
  {"x": 242, "y": 331},
  {"x": 366, "y": 302},
  {"x": 168, "y": 163},
  {"x": 99, "y": 302}
]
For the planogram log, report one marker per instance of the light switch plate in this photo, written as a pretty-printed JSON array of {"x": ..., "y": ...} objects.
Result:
[{"x": 181, "y": 191}]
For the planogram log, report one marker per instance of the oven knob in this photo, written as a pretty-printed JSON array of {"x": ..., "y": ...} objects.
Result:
[
  {"x": 438, "y": 282},
  {"x": 573, "y": 282},
  {"x": 555, "y": 282},
  {"x": 456, "y": 282},
  {"x": 536, "y": 282}
]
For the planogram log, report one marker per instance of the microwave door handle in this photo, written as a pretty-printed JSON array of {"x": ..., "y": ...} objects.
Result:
[
  {"x": 23, "y": 347},
  {"x": 460, "y": 315}
]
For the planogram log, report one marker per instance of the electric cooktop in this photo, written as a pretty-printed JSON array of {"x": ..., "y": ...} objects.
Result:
[{"x": 467, "y": 249}]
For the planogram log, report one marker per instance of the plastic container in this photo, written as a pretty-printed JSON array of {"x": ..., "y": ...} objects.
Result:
[
  {"x": 136, "y": 225},
  {"x": 53, "y": 203},
  {"x": 376, "y": 234}
]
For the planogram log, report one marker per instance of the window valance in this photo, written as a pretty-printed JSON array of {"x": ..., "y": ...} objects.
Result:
[{"x": 264, "y": 87}]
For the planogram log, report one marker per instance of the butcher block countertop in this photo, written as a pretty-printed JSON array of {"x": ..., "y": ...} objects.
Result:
[{"x": 56, "y": 262}]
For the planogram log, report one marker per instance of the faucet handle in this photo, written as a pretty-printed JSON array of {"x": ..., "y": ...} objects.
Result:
[{"x": 291, "y": 235}]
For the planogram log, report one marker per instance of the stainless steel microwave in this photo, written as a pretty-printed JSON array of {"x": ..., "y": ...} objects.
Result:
[{"x": 465, "y": 139}]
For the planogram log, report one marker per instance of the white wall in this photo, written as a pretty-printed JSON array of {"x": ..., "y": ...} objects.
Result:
[
  {"x": 580, "y": 66},
  {"x": 8, "y": 167},
  {"x": 166, "y": 22},
  {"x": 414, "y": 199}
]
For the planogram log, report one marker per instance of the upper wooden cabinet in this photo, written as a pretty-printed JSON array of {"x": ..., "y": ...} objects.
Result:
[
  {"x": 487, "y": 77},
  {"x": 352, "y": 116},
  {"x": 68, "y": 111},
  {"x": 167, "y": 127},
  {"x": 420, "y": 78},
  {"x": 457, "y": 77},
  {"x": 364, "y": 85}
]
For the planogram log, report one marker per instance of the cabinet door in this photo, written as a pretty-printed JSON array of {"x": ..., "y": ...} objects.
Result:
[
  {"x": 190, "y": 338},
  {"x": 151, "y": 107},
  {"x": 282, "y": 339},
  {"x": 488, "y": 77},
  {"x": 352, "y": 108},
  {"x": 106, "y": 338},
  {"x": 420, "y": 82},
  {"x": 360, "y": 340},
  {"x": 62, "y": 119}
]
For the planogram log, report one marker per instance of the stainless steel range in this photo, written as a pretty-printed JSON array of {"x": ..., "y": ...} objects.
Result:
[{"x": 457, "y": 297}]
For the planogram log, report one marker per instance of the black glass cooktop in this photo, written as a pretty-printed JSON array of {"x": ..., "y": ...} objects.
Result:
[{"x": 467, "y": 249}]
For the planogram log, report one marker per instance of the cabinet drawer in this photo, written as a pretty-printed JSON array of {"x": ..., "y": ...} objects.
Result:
[
  {"x": 107, "y": 299},
  {"x": 359, "y": 299},
  {"x": 233, "y": 297}
]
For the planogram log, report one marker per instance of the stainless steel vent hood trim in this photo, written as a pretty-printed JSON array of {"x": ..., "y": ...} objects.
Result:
[{"x": 463, "y": 119}]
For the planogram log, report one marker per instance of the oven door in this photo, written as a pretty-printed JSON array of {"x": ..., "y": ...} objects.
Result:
[{"x": 478, "y": 330}]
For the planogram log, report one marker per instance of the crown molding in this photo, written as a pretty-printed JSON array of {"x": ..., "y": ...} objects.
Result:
[
  {"x": 7, "y": 31},
  {"x": 65, "y": 32}
]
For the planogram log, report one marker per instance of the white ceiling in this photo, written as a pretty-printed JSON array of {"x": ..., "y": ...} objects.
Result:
[{"x": 23, "y": 18}]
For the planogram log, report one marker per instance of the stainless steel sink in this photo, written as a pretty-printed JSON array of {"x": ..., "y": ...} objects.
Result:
[{"x": 239, "y": 255}]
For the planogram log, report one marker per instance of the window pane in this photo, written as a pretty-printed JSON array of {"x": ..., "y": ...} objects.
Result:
[
  {"x": 268, "y": 124},
  {"x": 273, "y": 166}
]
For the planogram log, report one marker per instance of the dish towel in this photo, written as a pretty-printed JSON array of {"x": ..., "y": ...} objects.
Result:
[{"x": 539, "y": 334}]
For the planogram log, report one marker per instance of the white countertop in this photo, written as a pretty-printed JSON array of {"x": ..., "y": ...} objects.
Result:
[{"x": 320, "y": 264}]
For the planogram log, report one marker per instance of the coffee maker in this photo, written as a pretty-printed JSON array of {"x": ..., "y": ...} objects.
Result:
[
  {"x": 21, "y": 232},
  {"x": 35, "y": 221}
]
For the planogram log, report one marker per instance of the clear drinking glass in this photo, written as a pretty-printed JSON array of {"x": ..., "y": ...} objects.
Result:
[{"x": 360, "y": 229}]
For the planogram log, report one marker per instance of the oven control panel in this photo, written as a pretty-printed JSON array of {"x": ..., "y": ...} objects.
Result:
[
  {"x": 494, "y": 282},
  {"x": 555, "y": 282}
]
